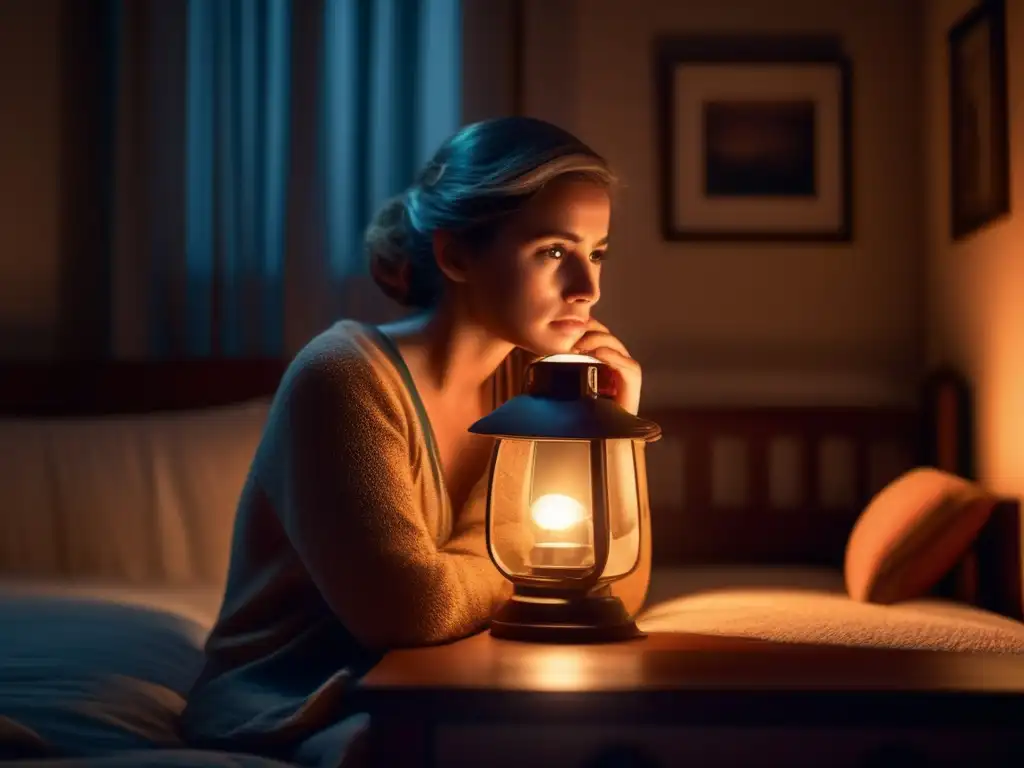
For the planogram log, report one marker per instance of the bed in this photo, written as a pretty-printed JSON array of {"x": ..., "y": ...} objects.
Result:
[
  {"x": 111, "y": 568},
  {"x": 751, "y": 512}
]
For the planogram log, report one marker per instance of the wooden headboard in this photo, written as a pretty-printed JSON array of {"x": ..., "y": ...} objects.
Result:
[
  {"x": 125, "y": 387},
  {"x": 770, "y": 484}
]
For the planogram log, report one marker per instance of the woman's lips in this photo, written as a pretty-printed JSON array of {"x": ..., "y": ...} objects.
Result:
[{"x": 568, "y": 326}]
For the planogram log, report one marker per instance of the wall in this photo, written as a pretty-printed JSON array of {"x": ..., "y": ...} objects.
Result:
[
  {"x": 751, "y": 322},
  {"x": 53, "y": 295},
  {"x": 488, "y": 59},
  {"x": 719, "y": 322},
  {"x": 976, "y": 285},
  {"x": 30, "y": 95}
]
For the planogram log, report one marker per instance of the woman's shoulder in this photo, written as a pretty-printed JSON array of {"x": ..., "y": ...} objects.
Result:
[
  {"x": 339, "y": 387},
  {"x": 344, "y": 361}
]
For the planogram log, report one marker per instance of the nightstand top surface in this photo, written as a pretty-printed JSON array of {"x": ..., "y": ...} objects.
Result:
[{"x": 695, "y": 672}]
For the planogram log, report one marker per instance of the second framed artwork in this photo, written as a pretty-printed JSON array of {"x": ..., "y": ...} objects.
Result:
[
  {"x": 978, "y": 119},
  {"x": 754, "y": 139}
]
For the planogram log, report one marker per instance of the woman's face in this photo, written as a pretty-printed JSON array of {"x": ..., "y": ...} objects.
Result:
[{"x": 537, "y": 280}]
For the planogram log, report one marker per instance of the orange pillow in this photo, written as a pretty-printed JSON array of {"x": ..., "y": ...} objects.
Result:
[{"x": 912, "y": 533}]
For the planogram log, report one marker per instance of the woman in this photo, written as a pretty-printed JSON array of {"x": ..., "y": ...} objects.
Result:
[{"x": 361, "y": 525}]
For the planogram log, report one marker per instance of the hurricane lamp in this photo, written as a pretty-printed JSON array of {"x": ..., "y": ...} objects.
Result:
[{"x": 567, "y": 506}]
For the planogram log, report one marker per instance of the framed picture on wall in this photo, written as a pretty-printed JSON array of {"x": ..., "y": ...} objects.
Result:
[
  {"x": 978, "y": 125},
  {"x": 754, "y": 139}
]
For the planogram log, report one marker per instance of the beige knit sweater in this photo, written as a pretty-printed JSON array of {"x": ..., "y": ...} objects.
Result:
[{"x": 345, "y": 546}]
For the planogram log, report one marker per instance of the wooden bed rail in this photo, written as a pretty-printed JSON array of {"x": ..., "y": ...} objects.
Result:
[{"x": 771, "y": 484}]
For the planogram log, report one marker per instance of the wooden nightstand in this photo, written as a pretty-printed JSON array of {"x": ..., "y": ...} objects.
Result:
[{"x": 674, "y": 698}]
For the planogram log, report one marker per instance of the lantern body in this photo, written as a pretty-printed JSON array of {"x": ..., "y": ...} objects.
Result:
[
  {"x": 566, "y": 515},
  {"x": 567, "y": 504}
]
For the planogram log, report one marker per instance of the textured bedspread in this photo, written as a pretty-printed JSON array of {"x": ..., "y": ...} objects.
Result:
[
  {"x": 90, "y": 682},
  {"x": 810, "y": 606}
]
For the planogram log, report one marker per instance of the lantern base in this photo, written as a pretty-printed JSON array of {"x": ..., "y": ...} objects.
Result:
[{"x": 594, "y": 618}]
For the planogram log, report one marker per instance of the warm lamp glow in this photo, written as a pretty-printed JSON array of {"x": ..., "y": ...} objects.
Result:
[
  {"x": 562, "y": 533},
  {"x": 557, "y": 668},
  {"x": 563, "y": 669},
  {"x": 568, "y": 357},
  {"x": 557, "y": 512}
]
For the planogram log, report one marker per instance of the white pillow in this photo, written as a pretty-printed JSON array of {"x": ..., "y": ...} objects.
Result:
[{"x": 145, "y": 499}]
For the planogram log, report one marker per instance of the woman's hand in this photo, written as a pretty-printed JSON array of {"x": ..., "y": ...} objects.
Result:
[{"x": 597, "y": 341}]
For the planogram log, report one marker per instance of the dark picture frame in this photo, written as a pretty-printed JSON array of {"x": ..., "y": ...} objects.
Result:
[
  {"x": 754, "y": 139},
  {"x": 979, "y": 136}
]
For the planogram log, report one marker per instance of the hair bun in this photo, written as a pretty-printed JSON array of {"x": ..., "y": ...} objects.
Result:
[{"x": 386, "y": 243}]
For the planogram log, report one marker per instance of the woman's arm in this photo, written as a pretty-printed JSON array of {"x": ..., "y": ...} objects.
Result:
[{"x": 341, "y": 481}]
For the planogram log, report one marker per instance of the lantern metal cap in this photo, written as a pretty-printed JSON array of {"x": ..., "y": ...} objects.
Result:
[{"x": 566, "y": 398}]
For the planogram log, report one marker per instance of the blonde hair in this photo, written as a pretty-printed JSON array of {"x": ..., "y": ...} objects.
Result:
[{"x": 478, "y": 177}]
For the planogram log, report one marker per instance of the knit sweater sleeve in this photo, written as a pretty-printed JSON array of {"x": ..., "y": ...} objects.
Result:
[{"x": 341, "y": 480}]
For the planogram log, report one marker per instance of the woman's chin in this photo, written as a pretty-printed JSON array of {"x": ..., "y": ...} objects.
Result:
[{"x": 558, "y": 345}]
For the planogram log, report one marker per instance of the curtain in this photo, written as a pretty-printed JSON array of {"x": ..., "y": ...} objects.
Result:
[{"x": 254, "y": 140}]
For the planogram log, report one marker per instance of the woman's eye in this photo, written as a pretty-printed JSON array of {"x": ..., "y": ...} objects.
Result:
[{"x": 558, "y": 252}]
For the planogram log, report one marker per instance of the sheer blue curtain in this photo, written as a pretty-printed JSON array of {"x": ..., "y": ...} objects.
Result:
[
  {"x": 255, "y": 140},
  {"x": 236, "y": 167},
  {"x": 392, "y": 95}
]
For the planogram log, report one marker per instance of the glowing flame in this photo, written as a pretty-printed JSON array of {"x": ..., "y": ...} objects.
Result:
[{"x": 557, "y": 512}]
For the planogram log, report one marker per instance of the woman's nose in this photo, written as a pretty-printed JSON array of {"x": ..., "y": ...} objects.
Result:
[{"x": 583, "y": 284}]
